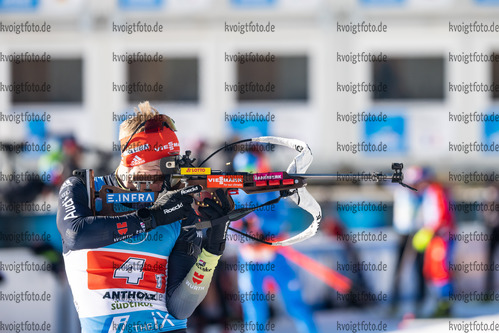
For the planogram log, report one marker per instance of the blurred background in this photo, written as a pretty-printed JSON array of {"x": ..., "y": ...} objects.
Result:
[{"x": 79, "y": 119}]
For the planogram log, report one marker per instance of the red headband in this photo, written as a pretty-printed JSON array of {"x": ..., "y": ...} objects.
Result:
[{"x": 148, "y": 147}]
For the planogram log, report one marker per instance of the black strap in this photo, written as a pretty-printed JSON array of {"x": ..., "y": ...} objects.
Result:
[
  {"x": 238, "y": 214},
  {"x": 249, "y": 236},
  {"x": 235, "y": 215},
  {"x": 283, "y": 194}
]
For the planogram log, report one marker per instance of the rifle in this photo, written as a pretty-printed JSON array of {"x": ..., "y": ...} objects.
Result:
[{"x": 290, "y": 183}]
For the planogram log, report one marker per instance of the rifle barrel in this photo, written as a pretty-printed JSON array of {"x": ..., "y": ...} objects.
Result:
[
  {"x": 364, "y": 176},
  {"x": 347, "y": 176}
]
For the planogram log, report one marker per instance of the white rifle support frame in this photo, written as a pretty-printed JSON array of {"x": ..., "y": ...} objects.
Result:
[{"x": 302, "y": 197}]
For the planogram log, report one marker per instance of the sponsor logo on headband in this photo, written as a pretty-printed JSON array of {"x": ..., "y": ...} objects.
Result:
[
  {"x": 136, "y": 149},
  {"x": 168, "y": 146},
  {"x": 137, "y": 161},
  {"x": 150, "y": 147}
]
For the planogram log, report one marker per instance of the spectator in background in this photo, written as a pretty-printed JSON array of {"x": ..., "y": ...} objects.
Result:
[
  {"x": 434, "y": 222},
  {"x": 406, "y": 222},
  {"x": 433, "y": 238}
]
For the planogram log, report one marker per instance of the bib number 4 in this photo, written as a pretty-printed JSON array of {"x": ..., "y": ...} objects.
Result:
[
  {"x": 131, "y": 270},
  {"x": 109, "y": 270}
]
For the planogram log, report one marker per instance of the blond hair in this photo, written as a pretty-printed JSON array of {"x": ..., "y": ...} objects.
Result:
[{"x": 144, "y": 112}]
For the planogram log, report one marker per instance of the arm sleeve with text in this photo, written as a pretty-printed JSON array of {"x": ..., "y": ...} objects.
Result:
[
  {"x": 190, "y": 270},
  {"x": 187, "y": 292}
]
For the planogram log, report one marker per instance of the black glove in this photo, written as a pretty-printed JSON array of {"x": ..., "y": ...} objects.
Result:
[
  {"x": 170, "y": 207},
  {"x": 216, "y": 234},
  {"x": 189, "y": 240}
]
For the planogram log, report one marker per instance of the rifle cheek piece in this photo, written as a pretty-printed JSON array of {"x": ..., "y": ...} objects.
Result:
[{"x": 169, "y": 165}]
